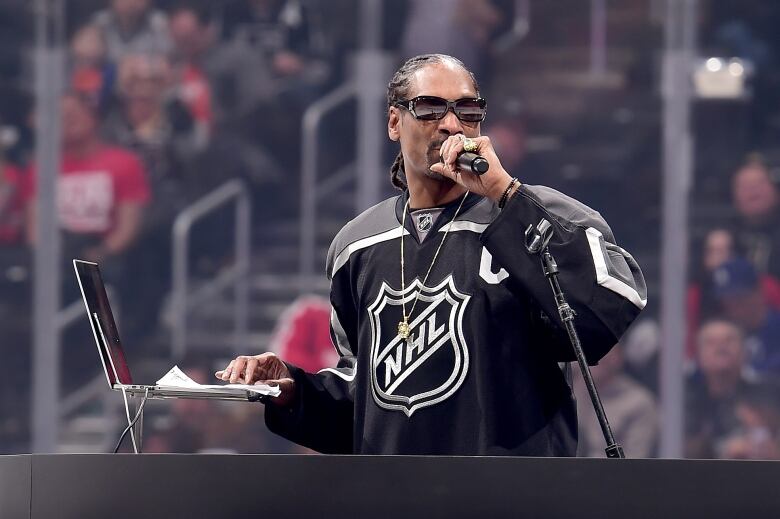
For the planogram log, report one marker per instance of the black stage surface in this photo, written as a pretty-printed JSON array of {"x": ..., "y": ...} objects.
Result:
[{"x": 88, "y": 486}]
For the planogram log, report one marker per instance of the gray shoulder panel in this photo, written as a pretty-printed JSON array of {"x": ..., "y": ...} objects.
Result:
[
  {"x": 566, "y": 208},
  {"x": 483, "y": 212},
  {"x": 371, "y": 222}
]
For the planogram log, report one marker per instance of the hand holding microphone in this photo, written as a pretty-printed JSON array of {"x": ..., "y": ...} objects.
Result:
[{"x": 470, "y": 161}]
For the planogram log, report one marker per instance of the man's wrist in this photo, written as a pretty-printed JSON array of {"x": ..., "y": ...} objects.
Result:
[
  {"x": 499, "y": 187},
  {"x": 513, "y": 192},
  {"x": 508, "y": 192}
]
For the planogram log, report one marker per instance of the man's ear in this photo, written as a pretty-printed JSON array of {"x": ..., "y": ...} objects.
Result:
[{"x": 393, "y": 124}]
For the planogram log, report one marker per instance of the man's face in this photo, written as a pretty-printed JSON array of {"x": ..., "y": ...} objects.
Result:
[
  {"x": 143, "y": 78},
  {"x": 129, "y": 10},
  {"x": 718, "y": 249},
  {"x": 720, "y": 349},
  {"x": 420, "y": 140},
  {"x": 754, "y": 194},
  {"x": 88, "y": 47},
  {"x": 186, "y": 33},
  {"x": 78, "y": 122}
]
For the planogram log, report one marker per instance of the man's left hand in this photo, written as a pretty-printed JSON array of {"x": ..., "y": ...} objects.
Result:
[{"x": 491, "y": 184}]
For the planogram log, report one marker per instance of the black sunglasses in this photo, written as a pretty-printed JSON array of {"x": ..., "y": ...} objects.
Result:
[{"x": 431, "y": 108}]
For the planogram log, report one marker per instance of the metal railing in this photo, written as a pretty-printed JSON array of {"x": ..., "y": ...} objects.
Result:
[
  {"x": 521, "y": 26},
  {"x": 310, "y": 194},
  {"x": 598, "y": 38},
  {"x": 95, "y": 389},
  {"x": 184, "y": 300}
]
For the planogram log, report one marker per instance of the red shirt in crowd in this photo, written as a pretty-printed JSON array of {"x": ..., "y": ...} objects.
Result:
[
  {"x": 302, "y": 335},
  {"x": 770, "y": 288},
  {"x": 91, "y": 187},
  {"x": 11, "y": 205},
  {"x": 196, "y": 93}
]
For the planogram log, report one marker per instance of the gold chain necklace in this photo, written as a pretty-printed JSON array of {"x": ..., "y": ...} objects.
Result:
[{"x": 404, "y": 330}]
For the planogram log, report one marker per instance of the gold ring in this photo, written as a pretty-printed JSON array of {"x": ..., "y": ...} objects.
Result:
[{"x": 470, "y": 145}]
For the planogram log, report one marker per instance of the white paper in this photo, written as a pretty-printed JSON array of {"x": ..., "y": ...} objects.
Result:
[{"x": 176, "y": 378}]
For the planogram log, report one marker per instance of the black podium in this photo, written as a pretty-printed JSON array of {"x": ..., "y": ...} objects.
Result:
[{"x": 279, "y": 486}]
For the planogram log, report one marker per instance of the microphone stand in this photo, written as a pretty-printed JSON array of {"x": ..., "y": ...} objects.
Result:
[{"x": 536, "y": 242}]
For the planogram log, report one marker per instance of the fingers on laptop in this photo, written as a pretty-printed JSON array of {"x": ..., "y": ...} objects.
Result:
[
  {"x": 237, "y": 371},
  {"x": 225, "y": 373},
  {"x": 243, "y": 370},
  {"x": 249, "y": 371}
]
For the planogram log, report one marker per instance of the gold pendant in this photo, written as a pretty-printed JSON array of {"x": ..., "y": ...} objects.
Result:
[{"x": 403, "y": 329}]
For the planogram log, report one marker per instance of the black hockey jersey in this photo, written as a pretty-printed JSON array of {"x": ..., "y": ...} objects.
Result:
[{"x": 480, "y": 373}]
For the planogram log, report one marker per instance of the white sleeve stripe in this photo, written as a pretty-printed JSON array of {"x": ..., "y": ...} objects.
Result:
[
  {"x": 392, "y": 234},
  {"x": 602, "y": 273},
  {"x": 464, "y": 226},
  {"x": 348, "y": 378},
  {"x": 344, "y": 255},
  {"x": 342, "y": 344}
]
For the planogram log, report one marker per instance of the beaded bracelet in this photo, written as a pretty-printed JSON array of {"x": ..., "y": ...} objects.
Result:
[{"x": 505, "y": 195}]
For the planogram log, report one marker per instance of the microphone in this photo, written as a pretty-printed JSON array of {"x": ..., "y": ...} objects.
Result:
[{"x": 469, "y": 161}]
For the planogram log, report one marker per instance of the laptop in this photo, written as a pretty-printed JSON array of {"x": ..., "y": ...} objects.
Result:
[{"x": 112, "y": 355}]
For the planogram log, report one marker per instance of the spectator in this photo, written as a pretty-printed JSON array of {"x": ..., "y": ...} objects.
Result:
[
  {"x": 151, "y": 121},
  {"x": 192, "y": 35},
  {"x": 11, "y": 203},
  {"x": 719, "y": 248},
  {"x": 101, "y": 188},
  {"x": 91, "y": 73},
  {"x": 101, "y": 194},
  {"x": 302, "y": 334},
  {"x": 757, "y": 202},
  {"x": 739, "y": 294},
  {"x": 159, "y": 128},
  {"x": 758, "y": 437},
  {"x": 267, "y": 68},
  {"x": 712, "y": 392},
  {"x": 133, "y": 27},
  {"x": 278, "y": 29},
  {"x": 630, "y": 407}
]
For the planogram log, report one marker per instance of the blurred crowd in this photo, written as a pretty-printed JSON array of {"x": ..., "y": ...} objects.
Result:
[{"x": 165, "y": 100}]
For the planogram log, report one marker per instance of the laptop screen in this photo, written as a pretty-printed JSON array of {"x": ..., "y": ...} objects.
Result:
[{"x": 101, "y": 319}]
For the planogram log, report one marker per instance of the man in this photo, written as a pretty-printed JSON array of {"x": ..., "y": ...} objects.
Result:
[
  {"x": 630, "y": 406},
  {"x": 133, "y": 27},
  {"x": 449, "y": 337},
  {"x": 301, "y": 334},
  {"x": 738, "y": 290},
  {"x": 11, "y": 202},
  {"x": 715, "y": 388},
  {"x": 192, "y": 33},
  {"x": 757, "y": 203},
  {"x": 102, "y": 189},
  {"x": 102, "y": 196}
]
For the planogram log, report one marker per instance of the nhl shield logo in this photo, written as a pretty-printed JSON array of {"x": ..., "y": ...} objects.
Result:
[
  {"x": 425, "y": 222},
  {"x": 432, "y": 363}
]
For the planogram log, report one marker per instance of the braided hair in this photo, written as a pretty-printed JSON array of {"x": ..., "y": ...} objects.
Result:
[{"x": 399, "y": 88}]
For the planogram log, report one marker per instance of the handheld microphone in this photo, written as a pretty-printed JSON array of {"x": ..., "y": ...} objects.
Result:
[{"x": 469, "y": 161}]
